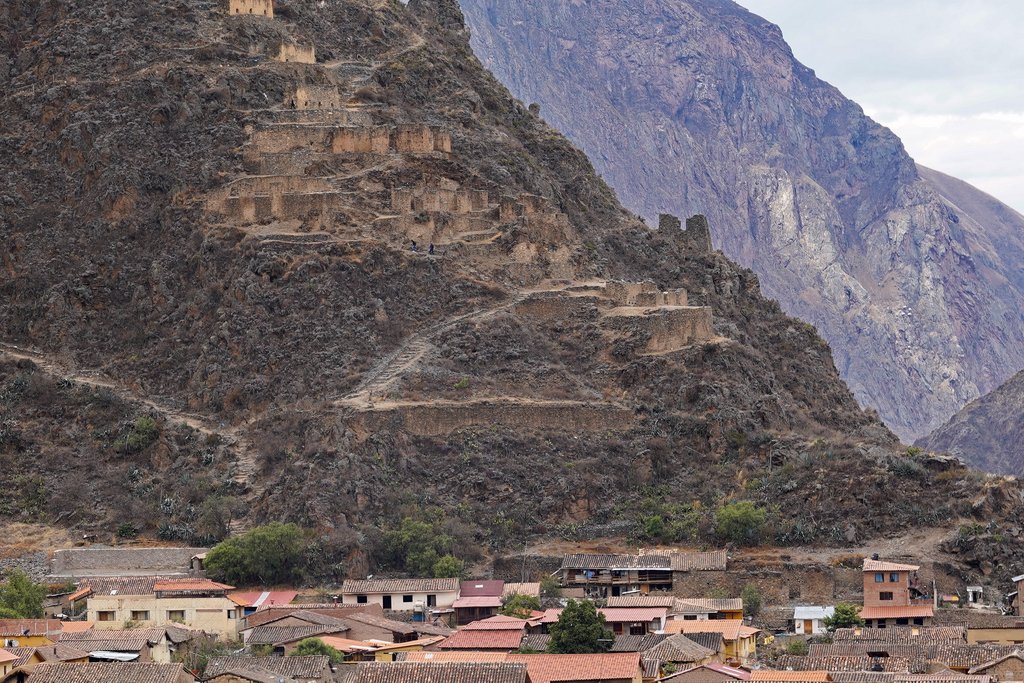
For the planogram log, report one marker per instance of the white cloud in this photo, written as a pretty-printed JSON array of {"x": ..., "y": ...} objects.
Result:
[{"x": 947, "y": 76}]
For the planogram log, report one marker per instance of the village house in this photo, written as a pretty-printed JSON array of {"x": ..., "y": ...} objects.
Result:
[
  {"x": 893, "y": 596},
  {"x": 984, "y": 628},
  {"x": 1009, "y": 667},
  {"x": 63, "y": 672},
  {"x": 604, "y": 576},
  {"x": 478, "y": 600},
  {"x": 739, "y": 641},
  {"x": 246, "y": 668},
  {"x": 28, "y": 657},
  {"x": 809, "y": 620},
  {"x": 402, "y": 595},
  {"x": 7, "y": 660},
  {"x": 132, "y": 645},
  {"x": 635, "y": 621},
  {"x": 712, "y": 672},
  {"x": 250, "y": 601},
  {"x": 284, "y": 633},
  {"x": 679, "y": 651},
  {"x": 496, "y": 634},
  {"x": 154, "y": 601},
  {"x": 29, "y": 632},
  {"x": 450, "y": 672},
  {"x": 391, "y": 653}
]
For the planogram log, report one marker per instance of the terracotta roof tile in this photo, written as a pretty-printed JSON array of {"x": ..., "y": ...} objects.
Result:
[
  {"x": 731, "y": 629},
  {"x": 275, "y": 635},
  {"x": 478, "y": 589},
  {"x": 114, "y": 640},
  {"x": 731, "y": 672},
  {"x": 652, "y": 600},
  {"x": 450, "y": 672},
  {"x": 61, "y": 652},
  {"x": 532, "y": 589},
  {"x": 716, "y": 560},
  {"x": 902, "y": 612},
  {"x": 904, "y": 634},
  {"x": 126, "y": 585},
  {"x": 860, "y": 663},
  {"x": 638, "y": 643},
  {"x": 770, "y": 676},
  {"x": 499, "y": 622},
  {"x": 132, "y": 672},
  {"x": 679, "y": 649},
  {"x": 9, "y": 655},
  {"x": 268, "y": 613},
  {"x": 592, "y": 561},
  {"x": 262, "y": 598},
  {"x": 482, "y": 640},
  {"x": 12, "y": 628},
  {"x": 456, "y": 656},
  {"x": 882, "y": 566},
  {"x": 190, "y": 586},
  {"x": 632, "y": 614},
  {"x": 550, "y": 668},
  {"x": 400, "y": 586},
  {"x": 972, "y": 618},
  {"x": 293, "y": 667},
  {"x": 711, "y": 604},
  {"x": 478, "y": 601},
  {"x": 712, "y": 641}
]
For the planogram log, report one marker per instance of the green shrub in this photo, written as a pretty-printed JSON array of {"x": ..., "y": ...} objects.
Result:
[
  {"x": 144, "y": 432},
  {"x": 580, "y": 629},
  {"x": 847, "y": 615},
  {"x": 741, "y": 522},
  {"x": 798, "y": 648},
  {"x": 751, "y": 600},
  {"x": 315, "y": 646},
  {"x": 127, "y": 530},
  {"x": 449, "y": 567},
  {"x": 550, "y": 587},
  {"x": 416, "y": 546},
  {"x": 271, "y": 554},
  {"x": 520, "y": 606},
  {"x": 20, "y": 595}
]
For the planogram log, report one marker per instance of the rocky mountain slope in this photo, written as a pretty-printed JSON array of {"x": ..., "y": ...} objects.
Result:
[
  {"x": 213, "y": 315},
  {"x": 987, "y": 432},
  {"x": 700, "y": 106}
]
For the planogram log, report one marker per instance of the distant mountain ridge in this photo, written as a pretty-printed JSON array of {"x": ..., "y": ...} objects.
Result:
[
  {"x": 913, "y": 277},
  {"x": 987, "y": 433}
]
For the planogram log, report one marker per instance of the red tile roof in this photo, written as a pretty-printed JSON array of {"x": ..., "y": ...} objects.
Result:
[
  {"x": 769, "y": 676},
  {"x": 731, "y": 629},
  {"x": 262, "y": 598},
  {"x": 882, "y": 566},
  {"x": 903, "y": 634},
  {"x": 652, "y": 600},
  {"x": 731, "y": 672},
  {"x": 477, "y": 601},
  {"x": 122, "y": 672},
  {"x": 907, "y": 612},
  {"x": 632, "y": 614},
  {"x": 482, "y": 640},
  {"x": 452, "y": 672},
  {"x": 11, "y": 628},
  {"x": 499, "y": 622},
  {"x": 476, "y": 589},
  {"x": 716, "y": 560},
  {"x": 7, "y": 657},
  {"x": 456, "y": 656},
  {"x": 190, "y": 585},
  {"x": 268, "y": 613},
  {"x": 550, "y": 668}
]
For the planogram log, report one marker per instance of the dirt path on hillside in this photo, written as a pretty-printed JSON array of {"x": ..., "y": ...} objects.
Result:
[{"x": 245, "y": 456}]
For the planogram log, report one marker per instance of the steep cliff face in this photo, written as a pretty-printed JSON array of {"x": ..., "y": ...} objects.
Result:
[
  {"x": 213, "y": 315},
  {"x": 987, "y": 432},
  {"x": 699, "y": 105}
]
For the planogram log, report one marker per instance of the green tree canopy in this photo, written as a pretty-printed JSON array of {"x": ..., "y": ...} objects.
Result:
[
  {"x": 315, "y": 646},
  {"x": 520, "y": 606},
  {"x": 741, "y": 522},
  {"x": 416, "y": 546},
  {"x": 21, "y": 596},
  {"x": 847, "y": 615},
  {"x": 580, "y": 629},
  {"x": 269, "y": 554},
  {"x": 751, "y": 600},
  {"x": 449, "y": 567}
]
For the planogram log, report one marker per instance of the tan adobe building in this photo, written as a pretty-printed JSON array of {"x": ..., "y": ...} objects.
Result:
[
  {"x": 892, "y": 595},
  {"x": 739, "y": 641},
  {"x": 256, "y": 8},
  {"x": 1007, "y": 668},
  {"x": 151, "y": 601},
  {"x": 402, "y": 595}
]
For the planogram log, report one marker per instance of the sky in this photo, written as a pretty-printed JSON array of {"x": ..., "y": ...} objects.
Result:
[{"x": 947, "y": 76}]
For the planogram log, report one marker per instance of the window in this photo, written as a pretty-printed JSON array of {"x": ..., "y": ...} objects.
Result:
[
  {"x": 361, "y": 599},
  {"x": 232, "y": 614},
  {"x": 918, "y": 621},
  {"x": 903, "y": 622},
  {"x": 885, "y": 595},
  {"x": 879, "y": 578},
  {"x": 10, "y": 642},
  {"x": 106, "y": 616},
  {"x": 406, "y": 598},
  {"x": 176, "y": 615},
  {"x": 431, "y": 601},
  {"x": 894, "y": 578},
  {"x": 140, "y": 615}
]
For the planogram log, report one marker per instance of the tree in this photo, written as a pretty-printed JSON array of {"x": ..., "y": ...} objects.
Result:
[
  {"x": 449, "y": 567},
  {"x": 416, "y": 546},
  {"x": 846, "y": 616},
  {"x": 550, "y": 587},
  {"x": 315, "y": 646},
  {"x": 520, "y": 606},
  {"x": 580, "y": 629},
  {"x": 741, "y": 522},
  {"x": 751, "y": 600},
  {"x": 22, "y": 596},
  {"x": 798, "y": 648},
  {"x": 269, "y": 554}
]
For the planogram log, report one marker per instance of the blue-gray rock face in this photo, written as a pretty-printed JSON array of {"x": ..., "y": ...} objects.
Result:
[{"x": 698, "y": 106}]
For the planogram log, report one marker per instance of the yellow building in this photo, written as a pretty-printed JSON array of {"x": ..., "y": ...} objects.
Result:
[
  {"x": 739, "y": 641},
  {"x": 387, "y": 653},
  {"x": 29, "y": 632},
  {"x": 149, "y": 602}
]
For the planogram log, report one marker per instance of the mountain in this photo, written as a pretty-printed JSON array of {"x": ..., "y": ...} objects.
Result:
[
  {"x": 314, "y": 264},
  {"x": 987, "y": 432},
  {"x": 700, "y": 106}
]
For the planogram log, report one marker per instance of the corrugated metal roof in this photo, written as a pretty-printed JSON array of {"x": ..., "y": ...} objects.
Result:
[{"x": 353, "y": 587}]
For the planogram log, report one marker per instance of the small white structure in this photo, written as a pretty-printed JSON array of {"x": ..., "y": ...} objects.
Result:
[
  {"x": 975, "y": 595},
  {"x": 810, "y": 620}
]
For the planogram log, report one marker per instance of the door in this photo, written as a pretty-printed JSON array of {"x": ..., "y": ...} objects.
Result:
[
  {"x": 808, "y": 626},
  {"x": 387, "y": 602}
]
